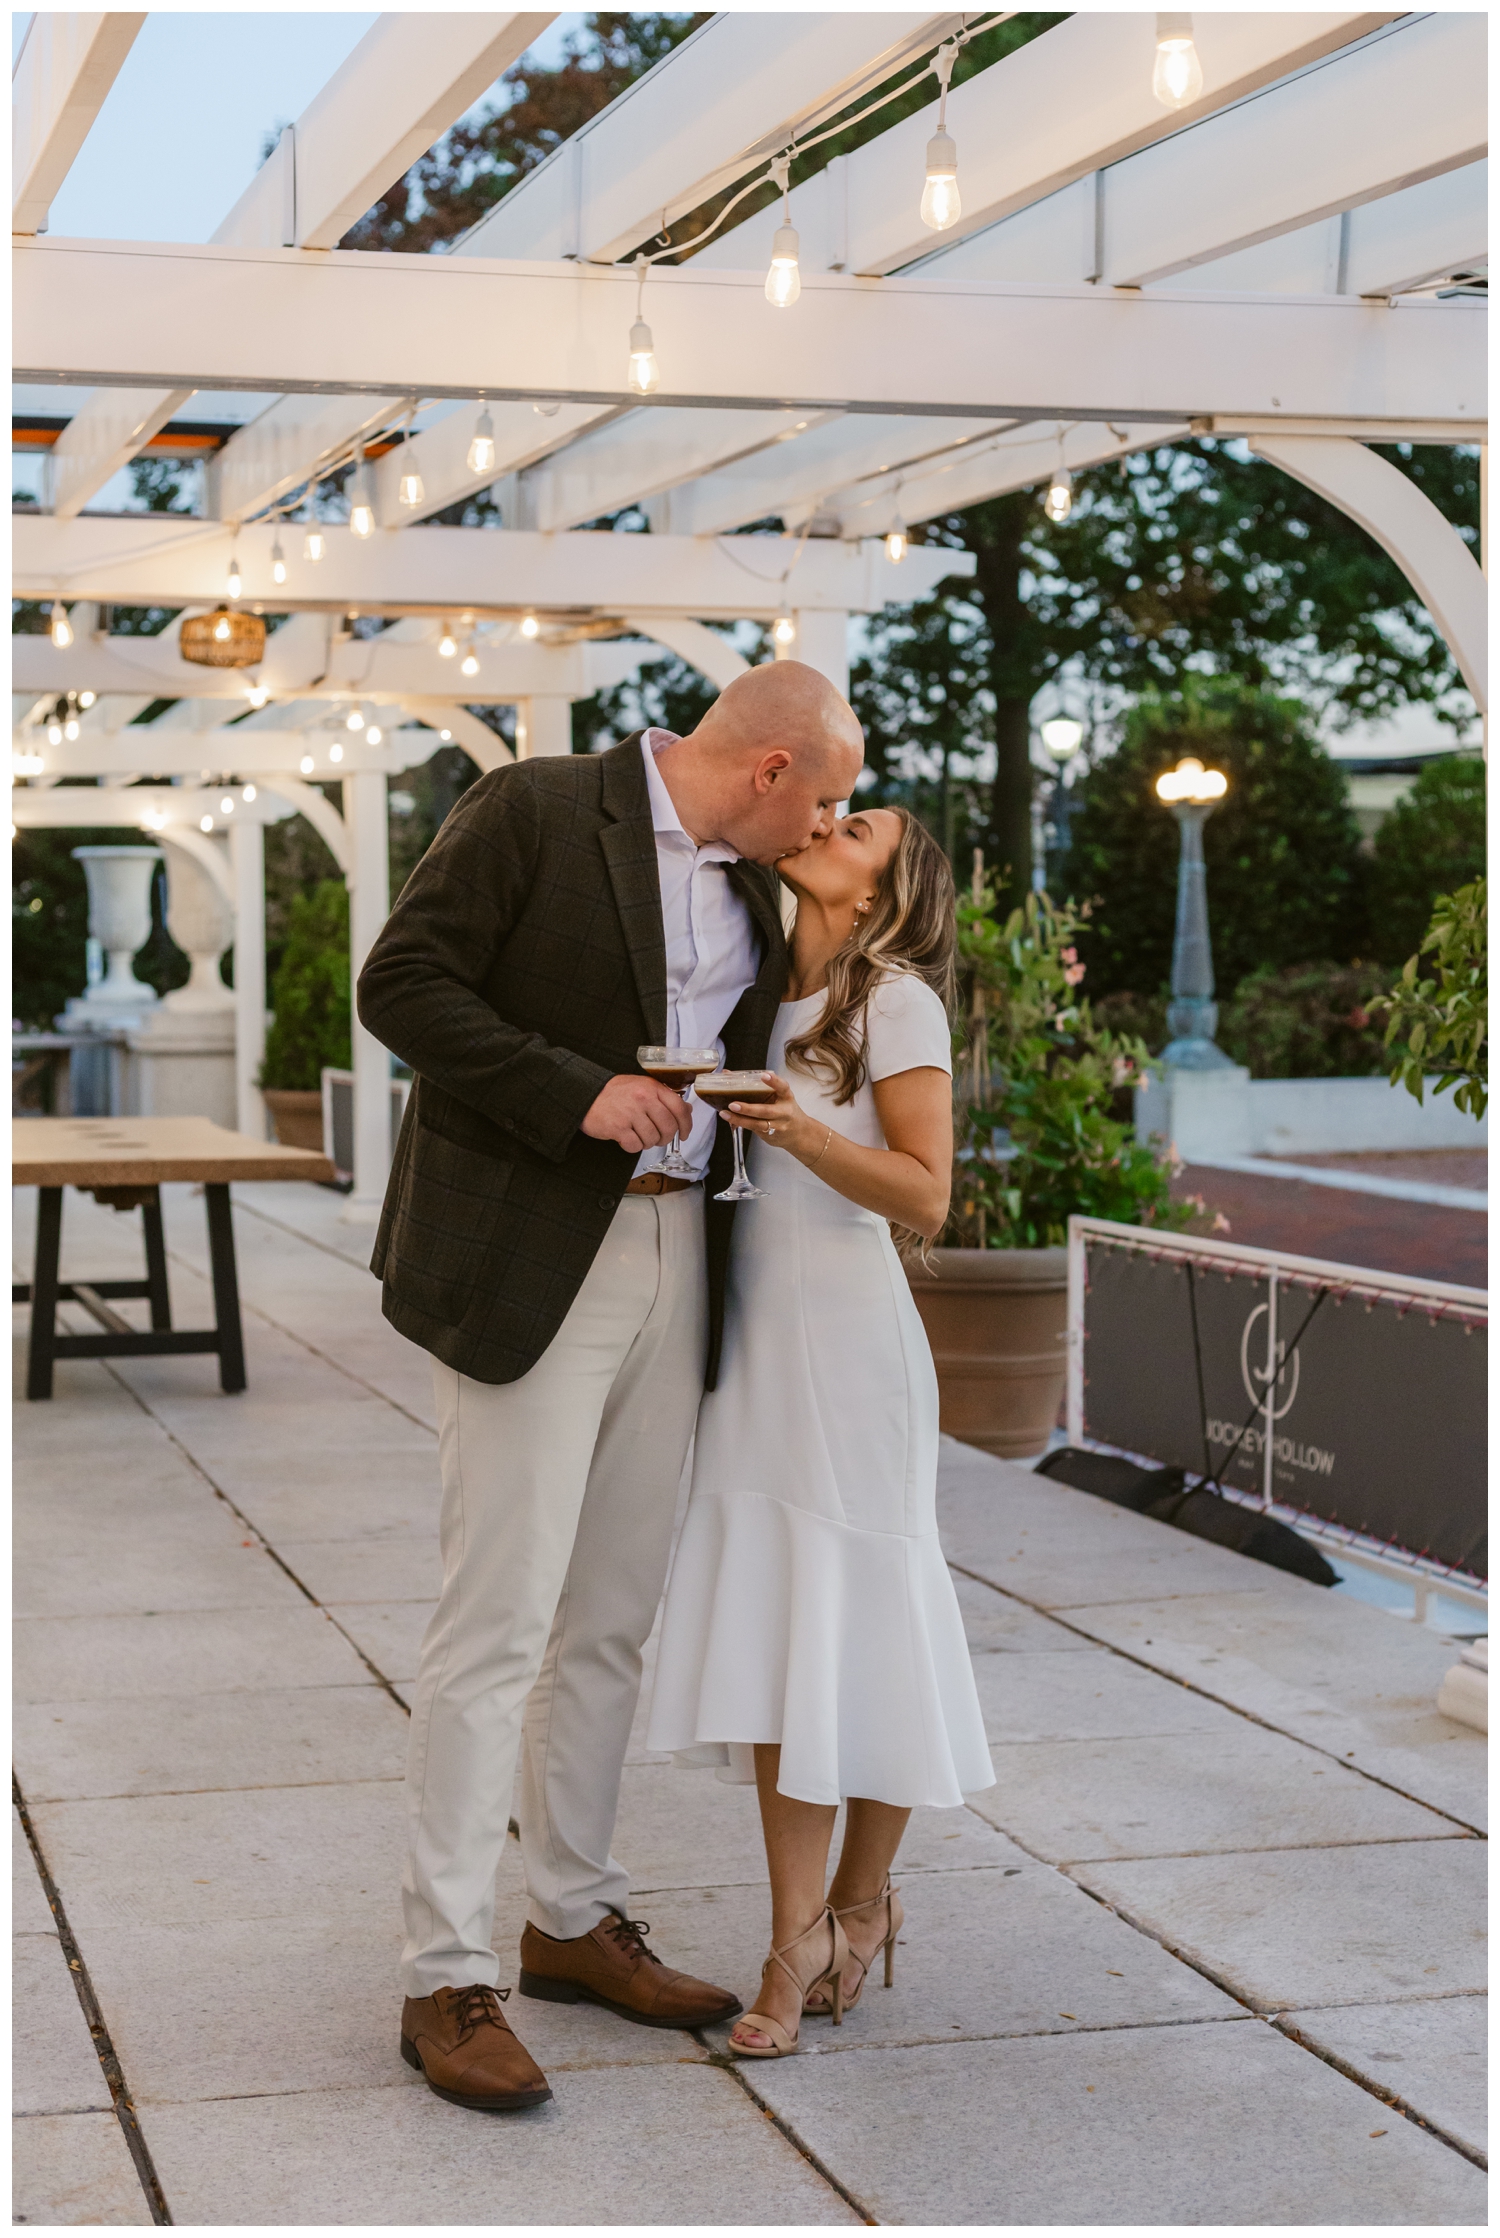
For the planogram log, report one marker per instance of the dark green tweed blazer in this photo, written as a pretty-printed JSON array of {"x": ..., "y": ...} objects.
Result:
[{"x": 521, "y": 968}]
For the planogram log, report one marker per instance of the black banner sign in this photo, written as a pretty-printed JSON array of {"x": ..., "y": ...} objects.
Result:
[{"x": 1378, "y": 1416}]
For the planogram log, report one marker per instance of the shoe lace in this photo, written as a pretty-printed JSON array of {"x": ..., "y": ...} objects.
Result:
[
  {"x": 478, "y": 2004},
  {"x": 631, "y": 1935}
]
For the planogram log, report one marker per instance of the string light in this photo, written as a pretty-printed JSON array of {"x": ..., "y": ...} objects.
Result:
[
  {"x": 54, "y": 732},
  {"x": 642, "y": 373},
  {"x": 86, "y": 699},
  {"x": 469, "y": 665},
  {"x": 205, "y": 823},
  {"x": 313, "y": 546},
  {"x": 27, "y": 765},
  {"x": 548, "y": 411},
  {"x": 278, "y": 562},
  {"x": 226, "y": 805},
  {"x": 248, "y": 794},
  {"x": 258, "y": 694},
  {"x": 445, "y": 735},
  {"x": 784, "y": 280},
  {"x": 306, "y": 765},
  {"x": 897, "y": 542},
  {"x": 373, "y": 734},
  {"x": 447, "y": 643},
  {"x": 482, "y": 449},
  {"x": 1177, "y": 77},
  {"x": 362, "y": 512},
  {"x": 1058, "y": 502},
  {"x": 236, "y": 580},
  {"x": 410, "y": 490},
  {"x": 784, "y": 629},
  {"x": 70, "y": 729},
  {"x": 530, "y": 626},
  {"x": 941, "y": 205},
  {"x": 222, "y": 631},
  {"x": 335, "y": 753},
  {"x": 61, "y": 627}
]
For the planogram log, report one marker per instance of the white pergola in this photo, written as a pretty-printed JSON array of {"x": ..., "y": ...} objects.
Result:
[{"x": 1283, "y": 259}]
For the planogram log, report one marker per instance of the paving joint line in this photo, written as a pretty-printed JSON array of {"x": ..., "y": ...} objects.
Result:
[
  {"x": 1237, "y": 1709},
  {"x": 114, "y": 2076},
  {"x": 1282, "y": 2023},
  {"x": 734, "y": 2068}
]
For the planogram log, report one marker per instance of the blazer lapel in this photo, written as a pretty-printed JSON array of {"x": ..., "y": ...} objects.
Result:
[{"x": 629, "y": 848}]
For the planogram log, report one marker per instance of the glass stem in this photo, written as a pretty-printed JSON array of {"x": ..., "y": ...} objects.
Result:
[{"x": 739, "y": 1155}]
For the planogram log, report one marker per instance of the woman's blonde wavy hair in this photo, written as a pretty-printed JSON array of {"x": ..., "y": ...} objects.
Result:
[{"x": 910, "y": 926}]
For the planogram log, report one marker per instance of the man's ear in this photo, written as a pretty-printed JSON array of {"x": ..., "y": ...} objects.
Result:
[{"x": 770, "y": 767}]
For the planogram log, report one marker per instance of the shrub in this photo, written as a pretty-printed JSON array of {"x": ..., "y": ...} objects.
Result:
[
  {"x": 1308, "y": 1022},
  {"x": 1285, "y": 877},
  {"x": 1442, "y": 1025},
  {"x": 310, "y": 993},
  {"x": 1431, "y": 843}
]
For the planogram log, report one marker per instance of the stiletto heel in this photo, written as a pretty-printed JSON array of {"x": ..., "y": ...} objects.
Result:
[
  {"x": 895, "y": 1920},
  {"x": 782, "y": 2045}
]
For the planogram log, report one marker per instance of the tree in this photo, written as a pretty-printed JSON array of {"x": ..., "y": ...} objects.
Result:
[
  {"x": 1431, "y": 843},
  {"x": 1285, "y": 876},
  {"x": 1192, "y": 559},
  {"x": 1442, "y": 1024}
]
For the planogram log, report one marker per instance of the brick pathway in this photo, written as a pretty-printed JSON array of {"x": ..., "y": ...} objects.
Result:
[{"x": 1362, "y": 1231}]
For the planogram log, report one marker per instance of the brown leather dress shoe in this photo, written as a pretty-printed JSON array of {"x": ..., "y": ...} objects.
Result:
[
  {"x": 611, "y": 1966},
  {"x": 463, "y": 2044}
]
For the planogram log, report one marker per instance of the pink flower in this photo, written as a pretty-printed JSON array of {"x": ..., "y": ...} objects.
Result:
[
  {"x": 1221, "y": 1225},
  {"x": 1074, "y": 973},
  {"x": 1069, "y": 955}
]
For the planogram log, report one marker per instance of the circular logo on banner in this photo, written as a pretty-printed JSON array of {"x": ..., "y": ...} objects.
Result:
[{"x": 1256, "y": 1378}]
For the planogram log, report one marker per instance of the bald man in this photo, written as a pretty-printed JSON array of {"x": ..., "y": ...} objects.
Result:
[{"x": 571, "y": 1294}]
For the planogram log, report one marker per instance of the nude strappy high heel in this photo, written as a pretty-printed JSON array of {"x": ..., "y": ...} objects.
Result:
[
  {"x": 895, "y": 1920},
  {"x": 783, "y": 2045}
]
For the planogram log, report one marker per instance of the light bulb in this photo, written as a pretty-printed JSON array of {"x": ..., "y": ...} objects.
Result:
[
  {"x": 70, "y": 728},
  {"x": 54, "y": 734},
  {"x": 1058, "y": 503},
  {"x": 313, "y": 546},
  {"x": 373, "y": 734},
  {"x": 248, "y": 794},
  {"x": 27, "y": 765},
  {"x": 335, "y": 753},
  {"x": 62, "y": 628},
  {"x": 236, "y": 581},
  {"x": 1062, "y": 737},
  {"x": 258, "y": 694},
  {"x": 784, "y": 280},
  {"x": 447, "y": 644},
  {"x": 221, "y": 630},
  {"x": 445, "y": 735},
  {"x": 530, "y": 626},
  {"x": 469, "y": 665},
  {"x": 941, "y": 206},
  {"x": 548, "y": 411},
  {"x": 642, "y": 374},
  {"x": 784, "y": 629},
  {"x": 896, "y": 542},
  {"x": 362, "y": 518},
  {"x": 355, "y": 719},
  {"x": 226, "y": 805},
  {"x": 205, "y": 823},
  {"x": 482, "y": 449},
  {"x": 1177, "y": 77},
  {"x": 410, "y": 490},
  {"x": 278, "y": 562},
  {"x": 306, "y": 765},
  {"x": 86, "y": 699}
]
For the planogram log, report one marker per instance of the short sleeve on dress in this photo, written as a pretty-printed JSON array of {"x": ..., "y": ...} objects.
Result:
[{"x": 906, "y": 1026}]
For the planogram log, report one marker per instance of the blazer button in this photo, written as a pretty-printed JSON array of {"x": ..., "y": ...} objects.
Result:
[{"x": 607, "y": 1204}]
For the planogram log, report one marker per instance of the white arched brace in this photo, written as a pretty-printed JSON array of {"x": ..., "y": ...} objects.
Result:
[
  {"x": 701, "y": 647},
  {"x": 478, "y": 741},
  {"x": 1427, "y": 549},
  {"x": 319, "y": 811}
]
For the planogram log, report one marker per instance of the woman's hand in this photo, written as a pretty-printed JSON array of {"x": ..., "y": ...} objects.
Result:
[{"x": 783, "y": 1124}]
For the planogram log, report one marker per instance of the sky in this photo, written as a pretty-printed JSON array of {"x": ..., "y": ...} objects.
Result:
[{"x": 180, "y": 134}]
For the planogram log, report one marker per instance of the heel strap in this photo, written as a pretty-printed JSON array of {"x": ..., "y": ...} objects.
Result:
[
  {"x": 827, "y": 1917},
  {"x": 848, "y": 1911}
]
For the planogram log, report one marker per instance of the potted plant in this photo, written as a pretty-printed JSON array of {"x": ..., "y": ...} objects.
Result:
[
  {"x": 310, "y": 1023},
  {"x": 1036, "y": 1080}
]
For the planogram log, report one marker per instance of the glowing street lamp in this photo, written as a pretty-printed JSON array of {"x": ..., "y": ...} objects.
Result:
[{"x": 1192, "y": 793}]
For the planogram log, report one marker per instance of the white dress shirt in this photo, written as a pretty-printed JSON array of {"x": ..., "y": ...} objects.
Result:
[{"x": 710, "y": 941}]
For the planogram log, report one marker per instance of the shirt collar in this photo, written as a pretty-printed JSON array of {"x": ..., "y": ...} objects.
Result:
[{"x": 664, "y": 816}]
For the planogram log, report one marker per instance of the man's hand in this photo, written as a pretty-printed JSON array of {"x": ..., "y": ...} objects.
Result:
[{"x": 637, "y": 1113}]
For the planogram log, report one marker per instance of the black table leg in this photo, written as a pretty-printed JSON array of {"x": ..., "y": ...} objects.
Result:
[
  {"x": 156, "y": 1263},
  {"x": 44, "y": 1295},
  {"x": 226, "y": 1286}
]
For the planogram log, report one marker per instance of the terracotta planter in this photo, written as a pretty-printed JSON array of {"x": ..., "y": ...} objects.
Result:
[
  {"x": 997, "y": 1323},
  {"x": 297, "y": 1116}
]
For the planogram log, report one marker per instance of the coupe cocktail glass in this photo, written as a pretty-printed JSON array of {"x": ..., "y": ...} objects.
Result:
[
  {"x": 720, "y": 1090},
  {"x": 676, "y": 1068}
]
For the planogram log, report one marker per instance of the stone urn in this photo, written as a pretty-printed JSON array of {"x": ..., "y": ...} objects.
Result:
[
  {"x": 997, "y": 1322},
  {"x": 182, "y": 1054},
  {"x": 119, "y": 881},
  {"x": 201, "y": 921}
]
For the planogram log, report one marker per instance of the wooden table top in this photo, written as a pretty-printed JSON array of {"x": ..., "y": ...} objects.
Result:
[{"x": 86, "y": 1153}]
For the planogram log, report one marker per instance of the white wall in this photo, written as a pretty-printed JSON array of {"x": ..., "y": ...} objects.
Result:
[{"x": 1226, "y": 1114}]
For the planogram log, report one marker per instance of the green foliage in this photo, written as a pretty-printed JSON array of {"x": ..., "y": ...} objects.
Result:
[
  {"x": 310, "y": 993},
  {"x": 1442, "y": 1024},
  {"x": 1035, "y": 1066},
  {"x": 1308, "y": 1022},
  {"x": 1431, "y": 843},
  {"x": 1285, "y": 878}
]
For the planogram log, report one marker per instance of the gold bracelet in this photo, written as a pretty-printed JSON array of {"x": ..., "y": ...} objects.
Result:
[{"x": 819, "y": 1158}]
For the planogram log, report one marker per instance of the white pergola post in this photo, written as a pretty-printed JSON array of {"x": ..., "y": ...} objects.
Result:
[
  {"x": 823, "y": 642},
  {"x": 365, "y": 818},
  {"x": 544, "y": 725},
  {"x": 247, "y": 849}
]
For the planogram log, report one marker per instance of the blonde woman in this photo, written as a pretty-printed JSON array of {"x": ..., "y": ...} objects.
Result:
[{"x": 810, "y": 1618}]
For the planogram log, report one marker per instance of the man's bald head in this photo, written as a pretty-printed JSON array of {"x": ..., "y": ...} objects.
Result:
[{"x": 764, "y": 770}]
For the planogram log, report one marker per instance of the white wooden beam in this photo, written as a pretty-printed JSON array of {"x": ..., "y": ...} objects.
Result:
[
  {"x": 1058, "y": 108},
  {"x": 440, "y": 455},
  {"x": 641, "y": 455},
  {"x": 66, "y": 67},
  {"x": 287, "y": 445},
  {"x": 702, "y": 648},
  {"x": 410, "y": 77},
  {"x": 97, "y": 442},
  {"x": 798, "y": 475},
  {"x": 734, "y": 93},
  {"x": 424, "y": 326},
  {"x": 1427, "y": 548},
  {"x": 36, "y": 808},
  {"x": 155, "y": 559},
  {"x": 1406, "y": 107},
  {"x": 1015, "y": 461},
  {"x": 1424, "y": 234}
]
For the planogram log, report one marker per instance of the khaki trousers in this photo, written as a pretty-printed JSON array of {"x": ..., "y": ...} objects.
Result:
[{"x": 559, "y": 1495}]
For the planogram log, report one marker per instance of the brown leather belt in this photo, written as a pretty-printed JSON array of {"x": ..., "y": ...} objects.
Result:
[{"x": 656, "y": 1185}]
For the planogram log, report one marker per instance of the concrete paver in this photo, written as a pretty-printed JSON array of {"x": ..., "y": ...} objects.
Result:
[
  {"x": 994, "y": 1623},
  {"x": 192, "y": 1652},
  {"x": 30, "y": 1913},
  {"x": 1070, "y": 1697},
  {"x": 54, "y": 2066},
  {"x": 389, "y": 1632},
  {"x": 1430, "y": 2056},
  {"x": 1299, "y": 1928},
  {"x": 71, "y": 2169},
  {"x": 1210, "y": 2124}
]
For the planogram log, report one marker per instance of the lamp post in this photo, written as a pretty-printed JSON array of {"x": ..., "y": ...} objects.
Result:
[
  {"x": 1062, "y": 737},
  {"x": 1192, "y": 793}
]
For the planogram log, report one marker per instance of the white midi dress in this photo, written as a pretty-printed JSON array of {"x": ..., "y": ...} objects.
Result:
[{"x": 809, "y": 1602}]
